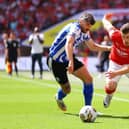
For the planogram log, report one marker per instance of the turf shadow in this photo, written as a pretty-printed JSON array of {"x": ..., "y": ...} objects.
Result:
[
  {"x": 114, "y": 116},
  {"x": 103, "y": 116},
  {"x": 72, "y": 114}
]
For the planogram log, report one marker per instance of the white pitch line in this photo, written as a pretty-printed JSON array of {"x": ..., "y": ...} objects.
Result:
[
  {"x": 114, "y": 98},
  {"x": 54, "y": 86}
]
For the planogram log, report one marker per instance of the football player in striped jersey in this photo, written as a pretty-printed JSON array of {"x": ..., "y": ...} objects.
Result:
[{"x": 62, "y": 60}]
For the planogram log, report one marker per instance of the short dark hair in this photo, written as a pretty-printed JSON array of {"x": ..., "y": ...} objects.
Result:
[
  {"x": 88, "y": 17},
  {"x": 125, "y": 28}
]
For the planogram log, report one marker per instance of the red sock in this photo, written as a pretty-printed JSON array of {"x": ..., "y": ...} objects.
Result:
[{"x": 109, "y": 91}]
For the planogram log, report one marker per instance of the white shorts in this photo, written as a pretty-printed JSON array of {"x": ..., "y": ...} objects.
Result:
[{"x": 114, "y": 66}]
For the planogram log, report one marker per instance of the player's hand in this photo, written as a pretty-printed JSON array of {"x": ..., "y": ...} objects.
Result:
[
  {"x": 108, "y": 16},
  {"x": 110, "y": 74},
  {"x": 70, "y": 67},
  {"x": 109, "y": 48}
]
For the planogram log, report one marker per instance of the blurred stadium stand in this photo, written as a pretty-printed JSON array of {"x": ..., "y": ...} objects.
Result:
[{"x": 22, "y": 16}]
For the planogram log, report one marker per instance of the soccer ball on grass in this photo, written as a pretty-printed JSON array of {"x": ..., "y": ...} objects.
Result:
[{"x": 88, "y": 114}]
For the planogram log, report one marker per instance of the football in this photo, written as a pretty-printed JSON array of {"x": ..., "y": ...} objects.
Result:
[{"x": 88, "y": 114}]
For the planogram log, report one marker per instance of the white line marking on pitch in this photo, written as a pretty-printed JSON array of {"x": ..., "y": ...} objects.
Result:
[{"x": 54, "y": 86}]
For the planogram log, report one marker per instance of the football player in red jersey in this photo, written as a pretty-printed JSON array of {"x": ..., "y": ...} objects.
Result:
[{"x": 119, "y": 56}]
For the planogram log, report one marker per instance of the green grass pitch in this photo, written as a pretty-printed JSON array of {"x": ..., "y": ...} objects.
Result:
[{"x": 30, "y": 104}]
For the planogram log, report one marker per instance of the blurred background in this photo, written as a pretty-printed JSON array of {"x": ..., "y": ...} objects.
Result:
[{"x": 21, "y": 16}]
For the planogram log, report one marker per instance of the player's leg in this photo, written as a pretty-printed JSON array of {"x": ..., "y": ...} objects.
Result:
[
  {"x": 102, "y": 61},
  {"x": 60, "y": 95},
  {"x": 111, "y": 84},
  {"x": 60, "y": 73},
  {"x": 107, "y": 60},
  {"x": 16, "y": 68},
  {"x": 110, "y": 88},
  {"x": 82, "y": 73},
  {"x": 33, "y": 57},
  {"x": 15, "y": 64},
  {"x": 40, "y": 65}
]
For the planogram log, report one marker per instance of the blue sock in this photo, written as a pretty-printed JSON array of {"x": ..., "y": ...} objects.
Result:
[
  {"x": 60, "y": 94},
  {"x": 88, "y": 93}
]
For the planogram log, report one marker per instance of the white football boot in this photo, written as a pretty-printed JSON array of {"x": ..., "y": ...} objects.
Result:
[{"x": 107, "y": 100}]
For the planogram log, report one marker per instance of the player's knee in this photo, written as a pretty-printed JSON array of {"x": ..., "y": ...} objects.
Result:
[
  {"x": 66, "y": 88},
  {"x": 88, "y": 79},
  {"x": 110, "y": 88}
]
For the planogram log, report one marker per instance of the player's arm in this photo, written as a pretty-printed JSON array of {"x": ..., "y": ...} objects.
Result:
[
  {"x": 107, "y": 23},
  {"x": 96, "y": 47},
  {"x": 111, "y": 74},
  {"x": 40, "y": 39},
  {"x": 30, "y": 39},
  {"x": 69, "y": 52}
]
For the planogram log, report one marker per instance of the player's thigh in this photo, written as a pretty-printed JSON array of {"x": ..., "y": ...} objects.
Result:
[
  {"x": 39, "y": 58},
  {"x": 10, "y": 58},
  {"x": 113, "y": 67},
  {"x": 14, "y": 59},
  {"x": 81, "y": 71},
  {"x": 83, "y": 74},
  {"x": 34, "y": 58},
  {"x": 60, "y": 73}
]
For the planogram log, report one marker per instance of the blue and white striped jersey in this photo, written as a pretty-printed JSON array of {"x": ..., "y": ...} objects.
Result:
[{"x": 57, "y": 50}]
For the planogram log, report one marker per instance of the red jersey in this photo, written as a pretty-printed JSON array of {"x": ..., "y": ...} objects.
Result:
[{"x": 119, "y": 52}]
